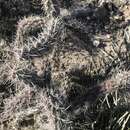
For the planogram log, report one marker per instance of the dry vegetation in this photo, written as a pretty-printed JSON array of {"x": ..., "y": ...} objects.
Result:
[{"x": 64, "y": 65}]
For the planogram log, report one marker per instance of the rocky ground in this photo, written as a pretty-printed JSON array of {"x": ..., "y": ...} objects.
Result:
[{"x": 64, "y": 65}]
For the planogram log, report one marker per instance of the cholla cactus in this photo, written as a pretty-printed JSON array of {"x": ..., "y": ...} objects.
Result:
[
  {"x": 70, "y": 57},
  {"x": 51, "y": 7},
  {"x": 116, "y": 102},
  {"x": 13, "y": 10},
  {"x": 27, "y": 109},
  {"x": 32, "y": 32},
  {"x": 75, "y": 51},
  {"x": 27, "y": 27}
]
